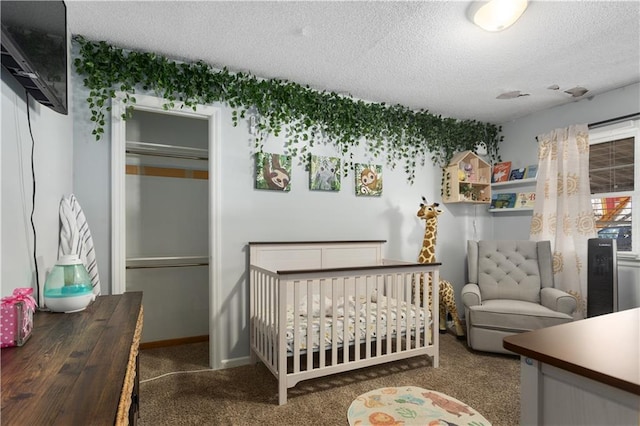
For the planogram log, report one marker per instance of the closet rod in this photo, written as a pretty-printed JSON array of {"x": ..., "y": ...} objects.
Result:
[
  {"x": 157, "y": 154},
  {"x": 166, "y": 262},
  {"x": 173, "y": 265},
  {"x": 613, "y": 120}
]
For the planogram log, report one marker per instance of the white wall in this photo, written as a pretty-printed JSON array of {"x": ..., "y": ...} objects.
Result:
[
  {"x": 53, "y": 161},
  {"x": 520, "y": 146},
  {"x": 91, "y": 176},
  {"x": 520, "y": 135},
  {"x": 248, "y": 214}
]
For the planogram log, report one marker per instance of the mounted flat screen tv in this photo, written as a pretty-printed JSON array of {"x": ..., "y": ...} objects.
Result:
[{"x": 34, "y": 48}]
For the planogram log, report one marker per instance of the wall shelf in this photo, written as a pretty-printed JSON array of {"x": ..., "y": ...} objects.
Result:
[
  {"x": 497, "y": 187},
  {"x": 516, "y": 182},
  {"x": 511, "y": 210}
]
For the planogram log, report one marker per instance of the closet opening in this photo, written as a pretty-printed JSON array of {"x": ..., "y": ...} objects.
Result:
[{"x": 164, "y": 207}]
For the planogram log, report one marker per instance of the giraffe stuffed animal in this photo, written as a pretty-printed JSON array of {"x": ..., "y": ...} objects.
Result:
[{"x": 430, "y": 213}]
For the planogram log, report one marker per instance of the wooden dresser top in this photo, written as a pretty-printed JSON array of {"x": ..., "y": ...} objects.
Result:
[
  {"x": 605, "y": 348},
  {"x": 72, "y": 369}
]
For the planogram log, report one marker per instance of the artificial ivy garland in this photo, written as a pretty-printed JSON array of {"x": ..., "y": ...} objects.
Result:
[{"x": 273, "y": 106}]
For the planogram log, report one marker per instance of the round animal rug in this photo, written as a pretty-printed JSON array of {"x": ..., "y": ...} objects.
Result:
[{"x": 410, "y": 405}]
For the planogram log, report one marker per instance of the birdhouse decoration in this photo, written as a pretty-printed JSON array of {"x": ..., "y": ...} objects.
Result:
[{"x": 467, "y": 179}]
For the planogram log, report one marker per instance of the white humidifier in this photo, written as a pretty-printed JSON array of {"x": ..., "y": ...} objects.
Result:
[{"x": 68, "y": 287}]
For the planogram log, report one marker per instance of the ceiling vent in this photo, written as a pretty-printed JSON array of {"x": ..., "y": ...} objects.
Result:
[{"x": 511, "y": 95}]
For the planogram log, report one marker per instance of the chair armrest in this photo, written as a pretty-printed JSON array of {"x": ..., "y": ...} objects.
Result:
[
  {"x": 558, "y": 300},
  {"x": 471, "y": 295}
]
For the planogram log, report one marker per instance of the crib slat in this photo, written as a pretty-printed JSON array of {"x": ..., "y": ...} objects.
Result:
[
  {"x": 268, "y": 341},
  {"x": 407, "y": 310},
  {"x": 310, "y": 319},
  {"x": 408, "y": 299},
  {"x": 399, "y": 280},
  {"x": 359, "y": 288},
  {"x": 275, "y": 324},
  {"x": 256, "y": 312},
  {"x": 271, "y": 320},
  {"x": 384, "y": 325},
  {"x": 261, "y": 315},
  {"x": 334, "y": 328},
  {"x": 269, "y": 312},
  {"x": 370, "y": 286},
  {"x": 323, "y": 322},
  {"x": 345, "y": 338},
  {"x": 281, "y": 348},
  {"x": 424, "y": 305},
  {"x": 394, "y": 307},
  {"x": 252, "y": 315},
  {"x": 296, "y": 328},
  {"x": 378, "y": 316},
  {"x": 435, "y": 277},
  {"x": 418, "y": 307},
  {"x": 261, "y": 323},
  {"x": 355, "y": 291},
  {"x": 421, "y": 324},
  {"x": 400, "y": 297}
]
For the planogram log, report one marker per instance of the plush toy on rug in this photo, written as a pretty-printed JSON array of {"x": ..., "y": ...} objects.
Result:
[{"x": 430, "y": 213}]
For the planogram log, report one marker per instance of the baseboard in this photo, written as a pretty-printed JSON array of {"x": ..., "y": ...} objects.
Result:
[
  {"x": 225, "y": 363},
  {"x": 174, "y": 342},
  {"x": 235, "y": 362}
]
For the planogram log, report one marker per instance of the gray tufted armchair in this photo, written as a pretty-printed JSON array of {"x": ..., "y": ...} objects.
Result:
[{"x": 510, "y": 290}]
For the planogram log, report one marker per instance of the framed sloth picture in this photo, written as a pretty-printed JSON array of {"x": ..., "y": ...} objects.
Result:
[
  {"x": 273, "y": 171},
  {"x": 368, "y": 180}
]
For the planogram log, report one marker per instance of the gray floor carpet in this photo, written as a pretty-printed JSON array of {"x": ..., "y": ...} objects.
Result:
[{"x": 248, "y": 395}]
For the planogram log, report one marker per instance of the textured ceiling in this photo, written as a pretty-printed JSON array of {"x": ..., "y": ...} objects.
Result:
[{"x": 421, "y": 54}]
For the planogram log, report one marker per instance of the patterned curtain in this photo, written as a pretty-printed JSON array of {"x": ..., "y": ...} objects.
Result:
[{"x": 563, "y": 213}]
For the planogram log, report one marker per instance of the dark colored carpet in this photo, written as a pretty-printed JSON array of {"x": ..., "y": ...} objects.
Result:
[{"x": 248, "y": 395}]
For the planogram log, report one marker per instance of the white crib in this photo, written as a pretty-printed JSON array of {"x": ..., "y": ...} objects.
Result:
[{"x": 319, "y": 308}]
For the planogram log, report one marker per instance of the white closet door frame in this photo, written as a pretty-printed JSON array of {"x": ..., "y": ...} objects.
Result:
[{"x": 118, "y": 201}]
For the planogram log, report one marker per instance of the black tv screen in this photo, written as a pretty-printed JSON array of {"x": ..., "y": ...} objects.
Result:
[{"x": 34, "y": 48}]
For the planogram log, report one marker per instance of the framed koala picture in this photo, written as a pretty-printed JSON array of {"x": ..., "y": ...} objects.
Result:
[
  {"x": 273, "y": 171},
  {"x": 368, "y": 180},
  {"x": 324, "y": 173}
]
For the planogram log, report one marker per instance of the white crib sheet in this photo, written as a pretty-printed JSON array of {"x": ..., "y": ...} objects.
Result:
[{"x": 388, "y": 313}]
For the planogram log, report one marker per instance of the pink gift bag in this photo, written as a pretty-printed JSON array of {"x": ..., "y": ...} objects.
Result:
[{"x": 16, "y": 317}]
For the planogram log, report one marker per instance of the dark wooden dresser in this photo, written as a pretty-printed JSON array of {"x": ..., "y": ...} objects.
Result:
[{"x": 78, "y": 368}]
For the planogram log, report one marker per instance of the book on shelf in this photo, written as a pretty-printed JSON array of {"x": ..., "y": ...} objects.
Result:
[
  {"x": 531, "y": 172},
  {"x": 517, "y": 174},
  {"x": 526, "y": 200},
  {"x": 503, "y": 200},
  {"x": 501, "y": 171}
]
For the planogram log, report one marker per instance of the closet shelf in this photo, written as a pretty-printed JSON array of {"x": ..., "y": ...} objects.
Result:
[
  {"x": 163, "y": 150},
  {"x": 166, "y": 262}
]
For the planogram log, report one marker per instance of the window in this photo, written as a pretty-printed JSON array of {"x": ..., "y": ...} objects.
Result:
[{"x": 614, "y": 169}]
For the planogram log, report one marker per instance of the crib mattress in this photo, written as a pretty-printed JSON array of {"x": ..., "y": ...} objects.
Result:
[{"x": 382, "y": 319}]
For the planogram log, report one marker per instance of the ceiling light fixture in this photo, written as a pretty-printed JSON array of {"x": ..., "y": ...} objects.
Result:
[{"x": 496, "y": 15}]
